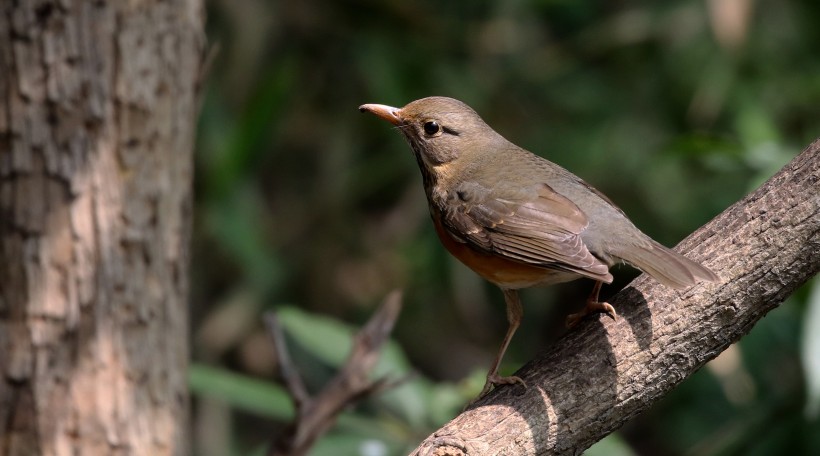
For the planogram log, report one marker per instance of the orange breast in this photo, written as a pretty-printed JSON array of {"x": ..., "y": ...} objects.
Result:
[{"x": 497, "y": 269}]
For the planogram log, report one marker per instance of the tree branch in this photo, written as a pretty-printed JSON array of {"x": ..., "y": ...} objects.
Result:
[
  {"x": 605, "y": 372},
  {"x": 315, "y": 415}
]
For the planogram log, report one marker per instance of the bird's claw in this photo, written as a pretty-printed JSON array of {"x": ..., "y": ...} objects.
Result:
[
  {"x": 495, "y": 379},
  {"x": 591, "y": 307}
]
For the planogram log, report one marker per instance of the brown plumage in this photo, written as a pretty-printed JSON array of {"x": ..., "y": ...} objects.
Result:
[{"x": 519, "y": 220}]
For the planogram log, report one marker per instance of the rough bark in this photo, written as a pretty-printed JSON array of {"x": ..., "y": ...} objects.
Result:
[
  {"x": 96, "y": 141},
  {"x": 606, "y": 372}
]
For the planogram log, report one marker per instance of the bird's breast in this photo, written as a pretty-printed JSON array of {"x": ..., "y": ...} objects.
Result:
[{"x": 494, "y": 268}]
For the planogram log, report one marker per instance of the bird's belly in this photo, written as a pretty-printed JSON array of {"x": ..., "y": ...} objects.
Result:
[{"x": 501, "y": 271}]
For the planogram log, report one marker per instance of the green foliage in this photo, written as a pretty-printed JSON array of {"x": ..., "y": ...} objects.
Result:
[
  {"x": 810, "y": 350},
  {"x": 242, "y": 392},
  {"x": 394, "y": 419},
  {"x": 666, "y": 107}
]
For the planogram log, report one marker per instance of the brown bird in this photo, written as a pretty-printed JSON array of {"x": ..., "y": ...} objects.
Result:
[{"x": 519, "y": 220}]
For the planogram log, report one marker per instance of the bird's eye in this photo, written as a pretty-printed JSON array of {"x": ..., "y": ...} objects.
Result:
[{"x": 431, "y": 128}]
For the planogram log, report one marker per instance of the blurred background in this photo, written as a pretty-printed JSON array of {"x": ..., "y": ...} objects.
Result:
[{"x": 304, "y": 206}]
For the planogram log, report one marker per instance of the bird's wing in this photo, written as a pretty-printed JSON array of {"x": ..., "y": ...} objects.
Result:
[{"x": 533, "y": 225}]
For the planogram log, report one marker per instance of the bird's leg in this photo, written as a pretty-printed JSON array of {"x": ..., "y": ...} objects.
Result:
[
  {"x": 514, "y": 314},
  {"x": 593, "y": 306}
]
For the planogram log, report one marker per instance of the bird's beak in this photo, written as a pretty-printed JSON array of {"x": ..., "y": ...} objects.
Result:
[{"x": 387, "y": 113}]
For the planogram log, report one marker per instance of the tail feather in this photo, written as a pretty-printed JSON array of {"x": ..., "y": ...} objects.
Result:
[{"x": 667, "y": 267}]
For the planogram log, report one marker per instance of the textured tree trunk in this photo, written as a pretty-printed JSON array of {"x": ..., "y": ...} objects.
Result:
[
  {"x": 605, "y": 372},
  {"x": 96, "y": 141}
]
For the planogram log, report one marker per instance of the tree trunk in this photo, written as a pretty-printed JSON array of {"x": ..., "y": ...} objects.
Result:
[
  {"x": 606, "y": 372},
  {"x": 96, "y": 142}
]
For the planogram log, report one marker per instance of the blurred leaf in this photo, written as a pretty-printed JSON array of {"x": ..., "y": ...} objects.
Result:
[
  {"x": 446, "y": 400},
  {"x": 325, "y": 338},
  {"x": 234, "y": 222},
  {"x": 755, "y": 124},
  {"x": 611, "y": 445},
  {"x": 244, "y": 147},
  {"x": 272, "y": 401},
  {"x": 408, "y": 401},
  {"x": 638, "y": 98},
  {"x": 241, "y": 391},
  {"x": 331, "y": 341},
  {"x": 810, "y": 352},
  {"x": 260, "y": 450},
  {"x": 342, "y": 444}
]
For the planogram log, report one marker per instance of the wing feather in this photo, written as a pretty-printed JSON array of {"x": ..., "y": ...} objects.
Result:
[{"x": 534, "y": 225}]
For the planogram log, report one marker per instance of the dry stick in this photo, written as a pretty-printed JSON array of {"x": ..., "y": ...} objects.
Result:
[
  {"x": 314, "y": 416},
  {"x": 287, "y": 371},
  {"x": 605, "y": 372}
]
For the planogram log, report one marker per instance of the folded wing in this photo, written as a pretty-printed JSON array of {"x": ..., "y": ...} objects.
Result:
[{"x": 533, "y": 225}]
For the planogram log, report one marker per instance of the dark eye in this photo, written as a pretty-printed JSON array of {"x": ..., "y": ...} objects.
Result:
[{"x": 431, "y": 127}]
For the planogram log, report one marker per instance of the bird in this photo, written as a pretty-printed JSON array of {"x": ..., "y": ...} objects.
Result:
[{"x": 517, "y": 219}]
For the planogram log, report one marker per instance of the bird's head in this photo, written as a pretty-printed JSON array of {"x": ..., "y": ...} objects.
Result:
[{"x": 440, "y": 130}]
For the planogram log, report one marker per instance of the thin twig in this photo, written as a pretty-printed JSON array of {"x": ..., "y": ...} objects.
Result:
[
  {"x": 314, "y": 416},
  {"x": 286, "y": 370}
]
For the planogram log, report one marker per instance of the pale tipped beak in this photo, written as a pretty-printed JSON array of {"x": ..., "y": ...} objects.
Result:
[{"x": 387, "y": 113}]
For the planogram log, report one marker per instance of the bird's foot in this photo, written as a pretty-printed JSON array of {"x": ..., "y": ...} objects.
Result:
[
  {"x": 591, "y": 307},
  {"x": 494, "y": 379}
]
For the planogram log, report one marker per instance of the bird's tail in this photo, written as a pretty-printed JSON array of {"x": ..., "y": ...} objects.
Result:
[{"x": 667, "y": 267}]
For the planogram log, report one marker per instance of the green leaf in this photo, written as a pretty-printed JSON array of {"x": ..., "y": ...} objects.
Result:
[
  {"x": 325, "y": 338},
  {"x": 336, "y": 444},
  {"x": 240, "y": 391},
  {"x": 233, "y": 221},
  {"x": 331, "y": 341},
  {"x": 810, "y": 351},
  {"x": 611, "y": 445}
]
